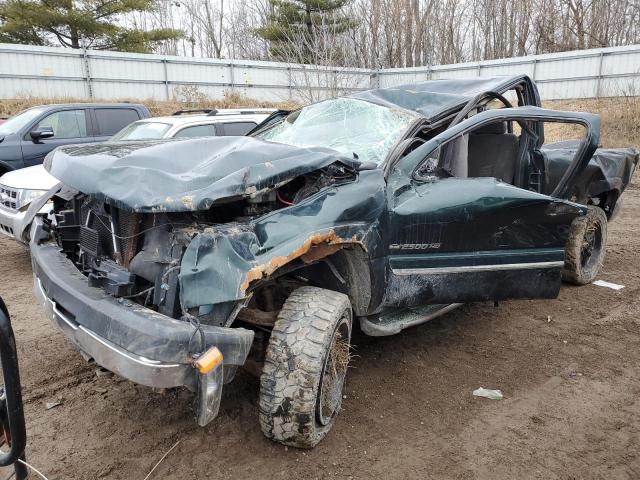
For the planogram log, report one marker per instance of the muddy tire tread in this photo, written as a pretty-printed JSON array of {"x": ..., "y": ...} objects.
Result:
[
  {"x": 573, "y": 272},
  {"x": 293, "y": 365}
]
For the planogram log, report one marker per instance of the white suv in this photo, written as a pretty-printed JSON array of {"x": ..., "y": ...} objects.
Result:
[
  {"x": 19, "y": 188},
  {"x": 186, "y": 123}
]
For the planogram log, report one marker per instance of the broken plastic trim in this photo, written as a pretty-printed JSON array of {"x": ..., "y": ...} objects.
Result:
[{"x": 209, "y": 387}]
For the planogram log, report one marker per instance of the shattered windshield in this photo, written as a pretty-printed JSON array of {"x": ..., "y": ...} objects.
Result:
[{"x": 344, "y": 124}]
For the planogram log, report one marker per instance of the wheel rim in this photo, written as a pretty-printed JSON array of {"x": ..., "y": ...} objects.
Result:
[
  {"x": 591, "y": 247},
  {"x": 334, "y": 372}
]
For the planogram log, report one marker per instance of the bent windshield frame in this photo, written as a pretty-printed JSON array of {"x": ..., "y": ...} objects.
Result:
[{"x": 352, "y": 127}]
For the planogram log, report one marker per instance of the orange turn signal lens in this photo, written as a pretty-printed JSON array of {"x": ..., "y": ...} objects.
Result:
[{"x": 209, "y": 360}]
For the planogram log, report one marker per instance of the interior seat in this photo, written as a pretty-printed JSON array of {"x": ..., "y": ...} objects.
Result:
[
  {"x": 493, "y": 152},
  {"x": 455, "y": 157}
]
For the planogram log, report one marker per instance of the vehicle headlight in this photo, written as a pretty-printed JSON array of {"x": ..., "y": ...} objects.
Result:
[{"x": 25, "y": 196}]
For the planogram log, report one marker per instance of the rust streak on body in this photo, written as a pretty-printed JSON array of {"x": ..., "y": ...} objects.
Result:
[{"x": 326, "y": 243}]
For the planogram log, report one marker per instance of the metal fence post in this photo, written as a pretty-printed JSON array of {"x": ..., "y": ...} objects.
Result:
[
  {"x": 535, "y": 66},
  {"x": 232, "y": 79},
  {"x": 87, "y": 72},
  {"x": 374, "y": 79},
  {"x": 599, "y": 79},
  {"x": 166, "y": 78},
  {"x": 290, "y": 82}
]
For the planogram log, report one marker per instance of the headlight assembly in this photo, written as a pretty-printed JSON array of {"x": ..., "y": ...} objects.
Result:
[{"x": 25, "y": 197}]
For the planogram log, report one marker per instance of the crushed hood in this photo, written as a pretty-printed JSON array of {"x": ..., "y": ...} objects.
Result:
[{"x": 185, "y": 174}]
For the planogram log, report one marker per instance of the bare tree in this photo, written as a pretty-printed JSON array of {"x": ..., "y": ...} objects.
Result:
[
  {"x": 323, "y": 75},
  {"x": 405, "y": 33}
]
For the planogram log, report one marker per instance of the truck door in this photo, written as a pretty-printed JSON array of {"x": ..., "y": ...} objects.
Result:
[
  {"x": 108, "y": 121},
  {"x": 69, "y": 126},
  {"x": 463, "y": 228}
]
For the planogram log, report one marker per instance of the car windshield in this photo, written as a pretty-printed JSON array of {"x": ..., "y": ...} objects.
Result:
[
  {"x": 345, "y": 124},
  {"x": 142, "y": 131},
  {"x": 17, "y": 122}
]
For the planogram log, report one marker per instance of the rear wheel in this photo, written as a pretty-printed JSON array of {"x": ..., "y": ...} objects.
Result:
[
  {"x": 305, "y": 367},
  {"x": 585, "y": 247}
]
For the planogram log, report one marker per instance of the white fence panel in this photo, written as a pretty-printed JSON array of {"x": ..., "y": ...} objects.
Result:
[
  {"x": 579, "y": 74},
  {"x": 56, "y": 72}
]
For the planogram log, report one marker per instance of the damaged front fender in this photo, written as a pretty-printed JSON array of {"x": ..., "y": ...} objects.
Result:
[{"x": 222, "y": 263}]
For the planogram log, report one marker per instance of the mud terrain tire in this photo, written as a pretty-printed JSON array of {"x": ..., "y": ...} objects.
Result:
[
  {"x": 305, "y": 366},
  {"x": 586, "y": 246}
]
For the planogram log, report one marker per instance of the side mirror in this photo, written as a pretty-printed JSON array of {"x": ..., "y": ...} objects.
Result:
[
  {"x": 41, "y": 133},
  {"x": 428, "y": 171}
]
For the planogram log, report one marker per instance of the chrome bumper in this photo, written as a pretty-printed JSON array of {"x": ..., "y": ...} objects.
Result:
[
  {"x": 135, "y": 342},
  {"x": 138, "y": 369}
]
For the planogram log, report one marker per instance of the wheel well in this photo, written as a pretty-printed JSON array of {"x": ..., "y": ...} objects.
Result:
[
  {"x": 345, "y": 270},
  {"x": 606, "y": 201}
]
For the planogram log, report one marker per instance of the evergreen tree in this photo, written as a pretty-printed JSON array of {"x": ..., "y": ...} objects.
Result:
[
  {"x": 79, "y": 23},
  {"x": 297, "y": 30}
]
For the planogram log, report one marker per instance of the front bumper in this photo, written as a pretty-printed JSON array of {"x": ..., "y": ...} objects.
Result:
[
  {"x": 13, "y": 224},
  {"x": 132, "y": 341}
]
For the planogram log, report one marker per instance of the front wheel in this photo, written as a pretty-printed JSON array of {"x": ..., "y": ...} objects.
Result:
[
  {"x": 305, "y": 367},
  {"x": 585, "y": 247}
]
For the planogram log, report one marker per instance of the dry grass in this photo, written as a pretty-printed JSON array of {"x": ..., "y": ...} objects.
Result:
[
  {"x": 620, "y": 115},
  {"x": 340, "y": 355},
  {"x": 157, "y": 108},
  {"x": 619, "y": 118}
]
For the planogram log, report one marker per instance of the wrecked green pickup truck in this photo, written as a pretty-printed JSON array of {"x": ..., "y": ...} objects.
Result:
[{"x": 172, "y": 263}]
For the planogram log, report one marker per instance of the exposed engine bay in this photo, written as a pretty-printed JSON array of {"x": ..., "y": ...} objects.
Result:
[{"x": 137, "y": 256}]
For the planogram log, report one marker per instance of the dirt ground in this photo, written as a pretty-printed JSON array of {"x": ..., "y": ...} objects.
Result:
[{"x": 569, "y": 369}]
